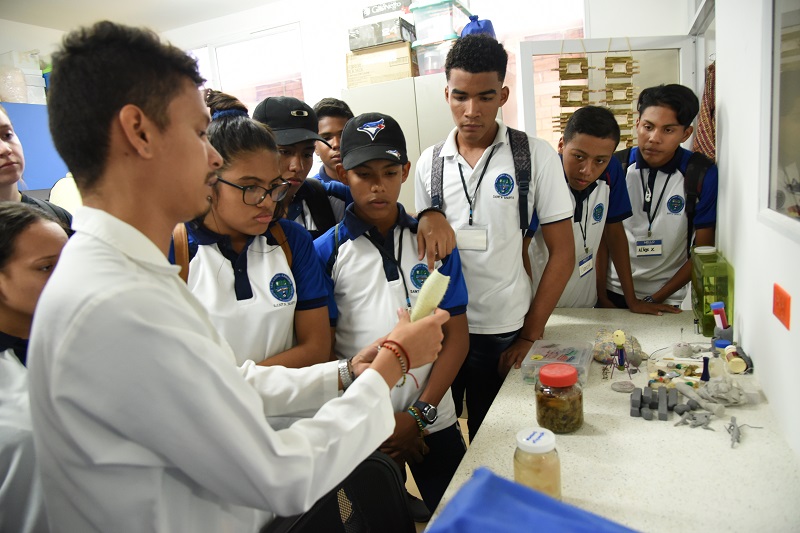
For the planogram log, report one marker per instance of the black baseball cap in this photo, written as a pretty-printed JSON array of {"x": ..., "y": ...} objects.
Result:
[
  {"x": 372, "y": 136},
  {"x": 291, "y": 120}
]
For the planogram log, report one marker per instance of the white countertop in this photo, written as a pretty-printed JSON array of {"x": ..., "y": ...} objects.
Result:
[{"x": 649, "y": 475}]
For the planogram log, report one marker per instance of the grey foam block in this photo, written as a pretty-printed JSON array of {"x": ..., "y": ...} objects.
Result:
[
  {"x": 636, "y": 398},
  {"x": 647, "y": 414},
  {"x": 635, "y": 412},
  {"x": 646, "y": 394},
  {"x": 672, "y": 399},
  {"x": 681, "y": 408},
  {"x": 663, "y": 413},
  {"x": 694, "y": 405}
]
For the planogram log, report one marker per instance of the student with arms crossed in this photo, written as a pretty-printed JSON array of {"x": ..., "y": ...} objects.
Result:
[
  {"x": 30, "y": 245},
  {"x": 142, "y": 421},
  {"x": 256, "y": 274},
  {"x": 601, "y": 203},
  {"x": 480, "y": 194},
  {"x": 659, "y": 232},
  {"x": 373, "y": 268}
]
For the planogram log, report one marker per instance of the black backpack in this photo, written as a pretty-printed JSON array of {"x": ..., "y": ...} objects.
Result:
[
  {"x": 696, "y": 170},
  {"x": 320, "y": 208}
]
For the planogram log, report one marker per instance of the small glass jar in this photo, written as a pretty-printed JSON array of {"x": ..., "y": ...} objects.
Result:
[
  {"x": 536, "y": 462},
  {"x": 559, "y": 398}
]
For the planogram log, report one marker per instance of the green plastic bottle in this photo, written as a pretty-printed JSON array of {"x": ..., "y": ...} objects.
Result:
[{"x": 712, "y": 281}]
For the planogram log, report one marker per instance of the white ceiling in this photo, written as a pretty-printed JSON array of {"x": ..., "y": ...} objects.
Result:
[{"x": 159, "y": 15}]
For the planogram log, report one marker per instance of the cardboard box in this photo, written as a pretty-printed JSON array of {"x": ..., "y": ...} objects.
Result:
[
  {"x": 382, "y": 63},
  {"x": 378, "y": 33}
]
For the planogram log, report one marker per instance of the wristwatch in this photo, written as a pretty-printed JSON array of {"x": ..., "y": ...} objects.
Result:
[
  {"x": 648, "y": 299},
  {"x": 427, "y": 411}
]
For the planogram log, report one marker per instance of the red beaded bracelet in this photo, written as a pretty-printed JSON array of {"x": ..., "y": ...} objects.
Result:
[
  {"x": 401, "y": 349},
  {"x": 399, "y": 356}
]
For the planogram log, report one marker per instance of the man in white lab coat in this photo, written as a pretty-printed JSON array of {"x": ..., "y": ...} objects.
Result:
[{"x": 141, "y": 419}]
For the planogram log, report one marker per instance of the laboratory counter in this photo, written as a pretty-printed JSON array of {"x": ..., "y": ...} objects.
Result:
[{"x": 649, "y": 475}]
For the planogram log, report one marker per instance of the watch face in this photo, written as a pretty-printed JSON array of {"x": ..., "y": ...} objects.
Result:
[{"x": 428, "y": 411}]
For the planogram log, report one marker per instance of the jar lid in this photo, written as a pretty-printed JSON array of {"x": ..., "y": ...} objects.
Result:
[
  {"x": 558, "y": 375},
  {"x": 722, "y": 343},
  {"x": 737, "y": 365},
  {"x": 705, "y": 250},
  {"x": 536, "y": 440}
]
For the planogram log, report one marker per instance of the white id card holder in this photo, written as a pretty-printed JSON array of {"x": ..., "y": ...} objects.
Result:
[
  {"x": 585, "y": 263},
  {"x": 648, "y": 247},
  {"x": 475, "y": 237}
]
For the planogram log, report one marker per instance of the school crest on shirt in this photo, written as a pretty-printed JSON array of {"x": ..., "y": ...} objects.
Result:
[
  {"x": 281, "y": 287},
  {"x": 504, "y": 185},
  {"x": 372, "y": 128},
  {"x": 597, "y": 213},
  {"x": 675, "y": 204},
  {"x": 419, "y": 273}
]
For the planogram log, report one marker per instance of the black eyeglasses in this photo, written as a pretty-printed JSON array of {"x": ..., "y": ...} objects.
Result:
[{"x": 255, "y": 194}]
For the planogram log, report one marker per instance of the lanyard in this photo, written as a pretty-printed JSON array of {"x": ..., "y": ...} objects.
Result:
[
  {"x": 396, "y": 262},
  {"x": 471, "y": 202},
  {"x": 648, "y": 196},
  {"x": 585, "y": 223}
]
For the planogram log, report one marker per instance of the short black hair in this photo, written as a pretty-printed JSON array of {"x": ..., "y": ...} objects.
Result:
[
  {"x": 592, "y": 120},
  {"x": 16, "y": 217},
  {"x": 97, "y": 71},
  {"x": 679, "y": 98},
  {"x": 477, "y": 53},
  {"x": 333, "y": 107}
]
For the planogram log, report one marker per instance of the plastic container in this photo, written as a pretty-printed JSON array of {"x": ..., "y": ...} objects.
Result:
[
  {"x": 438, "y": 20},
  {"x": 712, "y": 281},
  {"x": 536, "y": 461},
  {"x": 544, "y": 352},
  {"x": 559, "y": 398},
  {"x": 431, "y": 57}
]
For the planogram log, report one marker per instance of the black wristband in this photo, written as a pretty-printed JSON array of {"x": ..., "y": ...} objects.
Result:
[{"x": 430, "y": 209}]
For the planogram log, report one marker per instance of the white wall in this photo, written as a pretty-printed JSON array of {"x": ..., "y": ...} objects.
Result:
[
  {"x": 761, "y": 254},
  {"x": 23, "y": 37},
  {"x": 636, "y": 18}
]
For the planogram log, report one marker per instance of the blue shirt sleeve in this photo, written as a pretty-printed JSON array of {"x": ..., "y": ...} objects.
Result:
[
  {"x": 339, "y": 190},
  {"x": 323, "y": 246},
  {"x": 705, "y": 215},
  {"x": 312, "y": 291},
  {"x": 456, "y": 298},
  {"x": 619, "y": 203}
]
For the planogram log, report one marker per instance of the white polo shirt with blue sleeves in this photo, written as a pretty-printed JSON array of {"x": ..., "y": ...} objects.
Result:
[
  {"x": 252, "y": 296},
  {"x": 498, "y": 284},
  {"x": 603, "y": 202},
  {"x": 658, "y": 230},
  {"x": 368, "y": 287}
]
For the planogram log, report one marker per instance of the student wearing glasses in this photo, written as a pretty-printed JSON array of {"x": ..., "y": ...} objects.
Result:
[{"x": 256, "y": 274}]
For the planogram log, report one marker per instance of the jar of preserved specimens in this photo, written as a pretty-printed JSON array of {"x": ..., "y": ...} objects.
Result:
[
  {"x": 559, "y": 398},
  {"x": 536, "y": 462}
]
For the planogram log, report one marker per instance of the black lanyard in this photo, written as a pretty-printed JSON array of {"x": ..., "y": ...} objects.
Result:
[
  {"x": 396, "y": 262},
  {"x": 647, "y": 197},
  {"x": 471, "y": 202},
  {"x": 585, "y": 223}
]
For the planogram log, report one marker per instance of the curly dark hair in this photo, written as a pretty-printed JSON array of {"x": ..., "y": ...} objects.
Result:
[
  {"x": 477, "y": 53},
  {"x": 97, "y": 71},
  {"x": 680, "y": 99}
]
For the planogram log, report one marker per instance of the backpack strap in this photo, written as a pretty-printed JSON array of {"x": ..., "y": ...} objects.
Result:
[
  {"x": 180, "y": 243},
  {"x": 624, "y": 157},
  {"x": 336, "y": 244},
  {"x": 320, "y": 208},
  {"x": 276, "y": 230},
  {"x": 521, "y": 151},
  {"x": 57, "y": 212},
  {"x": 696, "y": 169},
  {"x": 437, "y": 177}
]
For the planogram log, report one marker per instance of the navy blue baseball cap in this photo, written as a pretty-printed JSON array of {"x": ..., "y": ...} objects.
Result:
[{"x": 372, "y": 136}]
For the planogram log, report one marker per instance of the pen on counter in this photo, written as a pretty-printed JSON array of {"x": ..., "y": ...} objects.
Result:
[{"x": 719, "y": 315}]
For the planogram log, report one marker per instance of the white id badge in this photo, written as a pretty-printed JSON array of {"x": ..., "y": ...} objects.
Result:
[
  {"x": 585, "y": 263},
  {"x": 473, "y": 237},
  {"x": 648, "y": 247}
]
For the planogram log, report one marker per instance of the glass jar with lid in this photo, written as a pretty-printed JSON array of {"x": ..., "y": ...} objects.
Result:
[
  {"x": 536, "y": 462},
  {"x": 559, "y": 398}
]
